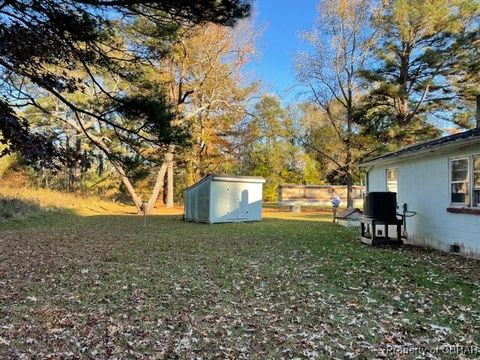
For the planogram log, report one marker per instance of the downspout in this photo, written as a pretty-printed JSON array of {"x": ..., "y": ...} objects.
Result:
[
  {"x": 367, "y": 178},
  {"x": 478, "y": 111}
]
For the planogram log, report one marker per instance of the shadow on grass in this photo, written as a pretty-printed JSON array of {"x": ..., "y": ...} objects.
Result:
[
  {"x": 11, "y": 208},
  {"x": 129, "y": 240},
  {"x": 24, "y": 214},
  {"x": 313, "y": 230}
]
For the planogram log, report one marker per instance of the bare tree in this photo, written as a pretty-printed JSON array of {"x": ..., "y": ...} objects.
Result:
[{"x": 341, "y": 43}]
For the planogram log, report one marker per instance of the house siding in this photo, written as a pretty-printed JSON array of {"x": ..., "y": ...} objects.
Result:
[{"x": 423, "y": 183}]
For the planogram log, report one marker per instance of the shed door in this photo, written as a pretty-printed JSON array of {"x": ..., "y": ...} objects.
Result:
[
  {"x": 243, "y": 201},
  {"x": 237, "y": 201}
]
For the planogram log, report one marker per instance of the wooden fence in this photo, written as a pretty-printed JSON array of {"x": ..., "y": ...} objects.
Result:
[{"x": 318, "y": 195}]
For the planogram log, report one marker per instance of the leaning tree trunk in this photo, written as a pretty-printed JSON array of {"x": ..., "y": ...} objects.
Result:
[
  {"x": 157, "y": 188},
  {"x": 137, "y": 201}
]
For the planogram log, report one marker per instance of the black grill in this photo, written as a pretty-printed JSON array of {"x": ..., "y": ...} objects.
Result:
[{"x": 381, "y": 205}]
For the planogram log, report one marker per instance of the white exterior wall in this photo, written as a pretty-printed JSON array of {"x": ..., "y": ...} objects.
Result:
[
  {"x": 235, "y": 201},
  {"x": 197, "y": 202},
  {"x": 423, "y": 183}
]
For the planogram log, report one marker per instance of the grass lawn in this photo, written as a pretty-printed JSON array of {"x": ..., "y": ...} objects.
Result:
[{"x": 291, "y": 286}]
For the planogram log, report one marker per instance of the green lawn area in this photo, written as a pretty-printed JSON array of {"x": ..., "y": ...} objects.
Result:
[{"x": 290, "y": 286}]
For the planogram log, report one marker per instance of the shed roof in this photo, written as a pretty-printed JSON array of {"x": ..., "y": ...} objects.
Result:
[
  {"x": 238, "y": 178},
  {"x": 469, "y": 137},
  {"x": 348, "y": 212},
  {"x": 228, "y": 178}
]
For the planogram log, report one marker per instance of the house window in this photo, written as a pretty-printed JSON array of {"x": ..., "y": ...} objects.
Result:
[
  {"x": 392, "y": 181},
  {"x": 459, "y": 182},
  {"x": 465, "y": 181},
  {"x": 476, "y": 181}
]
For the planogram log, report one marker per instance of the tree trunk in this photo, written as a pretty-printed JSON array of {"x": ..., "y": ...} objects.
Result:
[
  {"x": 157, "y": 188},
  {"x": 349, "y": 190},
  {"x": 403, "y": 101},
  {"x": 348, "y": 172},
  {"x": 137, "y": 201},
  {"x": 78, "y": 168},
  {"x": 169, "y": 161},
  {"x": 101, "y": 165},
  {"x": 348, "y": 150}
]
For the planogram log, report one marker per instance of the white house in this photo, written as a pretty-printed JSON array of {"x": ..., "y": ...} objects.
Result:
[
  {"x": 221, "y": 198},
  {"x": 440, "y": 181}
]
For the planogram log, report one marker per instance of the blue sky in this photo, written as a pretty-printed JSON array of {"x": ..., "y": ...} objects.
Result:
[{"x": 284, "y": 21}]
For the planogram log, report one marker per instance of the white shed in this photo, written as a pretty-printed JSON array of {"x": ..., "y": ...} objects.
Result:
[{"x": 221, "y": 198}]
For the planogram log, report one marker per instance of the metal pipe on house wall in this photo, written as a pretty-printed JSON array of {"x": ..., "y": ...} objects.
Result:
[{"x": 478, "y": 111}]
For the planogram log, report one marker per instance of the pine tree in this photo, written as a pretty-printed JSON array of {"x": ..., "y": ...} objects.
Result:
[
  {"x": 419, "y": 57},
  {"x": 47, "y": 43}
]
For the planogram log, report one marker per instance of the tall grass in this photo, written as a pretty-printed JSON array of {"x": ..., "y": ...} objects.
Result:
[{"x": 21, "y": 201}]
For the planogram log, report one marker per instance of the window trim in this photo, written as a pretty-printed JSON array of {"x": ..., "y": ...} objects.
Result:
[{"x": 470, "y": 181}]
